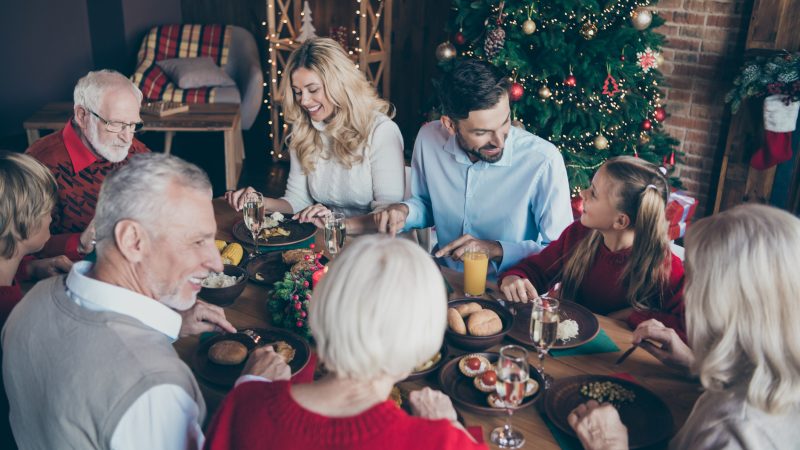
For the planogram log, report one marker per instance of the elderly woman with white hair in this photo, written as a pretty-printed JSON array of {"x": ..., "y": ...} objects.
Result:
[
  {"x": 742, "y": 315},
  {"x": 380, "y": 311}
]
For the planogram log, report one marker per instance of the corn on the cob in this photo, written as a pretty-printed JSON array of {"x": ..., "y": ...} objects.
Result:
[
  {"x": 232, "y": 254},
  {"x": 220, "y": 244}
]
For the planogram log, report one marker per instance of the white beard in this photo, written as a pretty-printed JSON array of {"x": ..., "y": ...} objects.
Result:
[{"x": 112, "y": 153}]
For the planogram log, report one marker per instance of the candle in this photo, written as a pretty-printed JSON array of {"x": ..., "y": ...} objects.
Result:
[{"x": 316, "y": 276}]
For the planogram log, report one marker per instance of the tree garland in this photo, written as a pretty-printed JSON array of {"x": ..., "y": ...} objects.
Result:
[{"x": 291, "y": 298}]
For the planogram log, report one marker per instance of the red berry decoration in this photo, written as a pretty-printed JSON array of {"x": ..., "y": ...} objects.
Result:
[
  {"x": 459, "y": 38},
  {"x": 303, "y": 314},
  {"x": 298, "y": 306},
  {"x": 295, "y": 297},
  {"x": 312, "y": 246},
  {"x": 299, "y": 324},
  {"x": 660, "y": 114},
  {"x": 647, "y": 124},
  {"x": 622, "y": 57},
  {"x": 515, "y": 92},
  {"x": 305, "y": 283},
  {"x": 571, "y": 81}
]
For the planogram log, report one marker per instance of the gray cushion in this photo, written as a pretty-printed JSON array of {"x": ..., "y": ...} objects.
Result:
[{"x": 190, "y": 73}]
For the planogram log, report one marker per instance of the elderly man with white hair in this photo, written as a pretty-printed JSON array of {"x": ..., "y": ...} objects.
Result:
[
  {"x": 88, "y": 360},
  {"x": 96, "y": 140}
]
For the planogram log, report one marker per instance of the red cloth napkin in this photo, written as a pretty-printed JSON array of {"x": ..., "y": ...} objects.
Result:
[
  {"x": 625, "y": 376},
  {"x": 307, "y": 374},
  {"x": 476, "y": 432}
]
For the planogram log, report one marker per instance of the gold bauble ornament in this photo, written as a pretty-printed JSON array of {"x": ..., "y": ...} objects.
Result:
[
  {"x": 644, "y": 138},
  {"x": 600, "y": 142},
  {"x": 589, "y": 30},
  {"x": 529, "y": 26},
  {"x": 445, "y": 51},
  {"x": 641, "y": 19},
  {"x": 544, "y": 92}
]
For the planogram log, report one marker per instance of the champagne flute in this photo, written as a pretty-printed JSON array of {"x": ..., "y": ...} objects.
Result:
[
  {"x": 544, "y": 329},
  {"x": 253, "y": 212},
  {"x": 512, "y": 378},
  {"x": 335, "y": 233}
]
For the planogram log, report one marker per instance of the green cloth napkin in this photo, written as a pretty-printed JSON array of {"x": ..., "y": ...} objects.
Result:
[
  {"x": 304, "y": 244},
  {"x": 600, "y": 344},
  {"x": 565, "y": 441}
]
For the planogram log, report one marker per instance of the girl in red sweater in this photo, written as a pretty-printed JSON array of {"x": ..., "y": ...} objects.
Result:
[{"x": 616, "y": 259}]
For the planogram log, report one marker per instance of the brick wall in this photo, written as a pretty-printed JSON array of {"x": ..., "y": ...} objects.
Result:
[{"x": 705, "y": 44}]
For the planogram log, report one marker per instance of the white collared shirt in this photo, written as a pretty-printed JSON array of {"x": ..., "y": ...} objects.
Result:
[{"x": 165, "y": 416}]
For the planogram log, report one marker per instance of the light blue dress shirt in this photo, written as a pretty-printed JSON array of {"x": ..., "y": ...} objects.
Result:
[{"x": 521, "y": 201}]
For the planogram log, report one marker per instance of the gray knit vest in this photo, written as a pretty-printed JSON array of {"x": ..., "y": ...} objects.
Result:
[{"x": 71, "y": 373}]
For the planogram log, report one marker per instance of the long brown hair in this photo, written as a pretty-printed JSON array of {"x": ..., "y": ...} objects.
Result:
[{"x": 641, "y": 192}]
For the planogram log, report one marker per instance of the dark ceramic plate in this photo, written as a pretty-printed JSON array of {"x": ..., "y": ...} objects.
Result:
[
  {"x": 225, "y": 376},
  {"x": 462, "y": 391},
  {"x": 298, "y": 232},
  {"x": 588, "y": 327},
  {"x": 424, "y": 373},
  {"x": 270, "y": 268},
  {"x": 648, "y": 418}
]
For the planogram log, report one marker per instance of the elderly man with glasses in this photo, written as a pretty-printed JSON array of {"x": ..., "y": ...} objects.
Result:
[{"x": 95, "y": 141}]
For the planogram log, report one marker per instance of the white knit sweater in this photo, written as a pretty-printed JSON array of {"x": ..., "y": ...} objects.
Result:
[{"x": 377, "y": 181}]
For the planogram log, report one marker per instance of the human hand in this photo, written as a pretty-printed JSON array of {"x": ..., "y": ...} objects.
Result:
[
  {"x": 431, "y": 404},
  {"x": 204, "y": 317},
  {"x": 456, "y": 249},
  {"x": 315, "y": 214},
  {"x": 392, "y": 219},
  {"x": 598, "y": 426},
  {"x": 663, "y": 343},
  {"x": 40, "y": 269},
  {"x": 87, "y": 239},
  {"x": 264, "y": 362},
  {"x": 518, "y": 289},
  {"x": 236, "y": 198}
]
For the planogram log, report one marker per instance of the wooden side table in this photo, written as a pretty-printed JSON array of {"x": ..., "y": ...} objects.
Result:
[{"x": 200, "y": 118}]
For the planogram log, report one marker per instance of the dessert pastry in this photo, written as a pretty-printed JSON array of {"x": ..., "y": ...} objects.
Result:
[
  {"x": 285, "y": 350},
  {"x": 466, "y": 309},
  {"x": 487, "y": 381},
  {"x": 455, "y": 322},
  {"x": 227, "y": 352},
  {"x": 484, "y": 323},
  {"x": 473, "y": 365},
  {"x": 291, "y": 257}
]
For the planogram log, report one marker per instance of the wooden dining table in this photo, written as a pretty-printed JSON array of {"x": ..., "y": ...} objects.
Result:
[{"x": 678, "y": 392}]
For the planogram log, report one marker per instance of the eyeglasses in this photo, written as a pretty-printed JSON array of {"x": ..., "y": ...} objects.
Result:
[{"x": 119, "y": 127}]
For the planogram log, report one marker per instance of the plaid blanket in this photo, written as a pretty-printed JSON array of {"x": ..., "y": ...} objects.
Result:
[{"x": 179, "y": 41}]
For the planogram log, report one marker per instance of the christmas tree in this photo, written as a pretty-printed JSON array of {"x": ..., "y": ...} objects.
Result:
[
  {"x": 307, "y": 30},
  {"x": 585, "y": 74}
]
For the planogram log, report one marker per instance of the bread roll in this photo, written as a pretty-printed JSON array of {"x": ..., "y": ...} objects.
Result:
[
  {"x": 455, "y": 321},
  {"x": 484, "y": 323},
  {"x": 466, "y": 309},
  {"x": 227, "y": 352},
  {"x": 285, "y": 350}
]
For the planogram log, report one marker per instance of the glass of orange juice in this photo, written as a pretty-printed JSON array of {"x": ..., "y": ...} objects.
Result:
[{"x": 476, "y": 264}]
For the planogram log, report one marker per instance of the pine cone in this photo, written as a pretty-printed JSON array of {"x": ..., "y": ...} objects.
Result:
[{"x": 495, "y": 40}]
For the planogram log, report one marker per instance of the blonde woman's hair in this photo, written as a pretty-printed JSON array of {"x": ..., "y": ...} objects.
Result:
[
  {"x": 641, "y": 192},
  {"x": 354, "y": 99},
  {"x": 742, "y": 309},
  {"x": 27, "y": 194},
  {"x": 380, "y": 310}
]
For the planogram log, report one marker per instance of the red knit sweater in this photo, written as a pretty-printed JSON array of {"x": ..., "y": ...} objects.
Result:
[
  {"x": 601, "y": 290},
  {"x": 258, "y": 415},
  {"x": 79, "y": 175}
]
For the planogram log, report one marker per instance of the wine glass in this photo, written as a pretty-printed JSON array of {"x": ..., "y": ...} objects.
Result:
[
  {"x": 544, "y": 329},
  {"x": 253, "y": 212},
  {"x": 335, "y": 232},
  {"x": 512, "y": 378}
]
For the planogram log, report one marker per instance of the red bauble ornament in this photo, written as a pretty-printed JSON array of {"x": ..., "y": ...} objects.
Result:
[
  {"x": 660, "y": 114},
  {"x": 647, "y": 124},
  {"x": 571, "y": 81},
  {"x": 577, "y": 206},
  {"x": 459, "y": 38},
  {"x": 515, "y": 92}
]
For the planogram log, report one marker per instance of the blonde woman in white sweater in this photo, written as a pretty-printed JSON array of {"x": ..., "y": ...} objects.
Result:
[{"x": 346, "y": 152}]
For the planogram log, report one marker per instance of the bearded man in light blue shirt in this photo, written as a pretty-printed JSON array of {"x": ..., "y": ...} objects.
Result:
[{"x": 479, "y": 180}]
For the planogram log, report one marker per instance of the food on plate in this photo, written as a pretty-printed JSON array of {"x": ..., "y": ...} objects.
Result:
[
  {"x": 455, "y": 322},
  {"x": 466, "y": 309},
  {"x": 273, "y": 220},
  {"x": 259, "y": 276},
  {"x": 232, "y": 254},
  {"x": 429, "y": 363},
  {"x": 484, "y": 323},
  {"x": 486, "y": 381},
  {"x": 396, "y": 396},
  {"x": 473, "y": 365},
  {"x": 302, "y": 265},
  {"x": 285, "y": 350},
  {"x": 607, "y": 391},
  {"x": 567, "y": 329},
  {"x": 267, "y": 233},
  {"x": 295, "y": 256},
  {"x": 531, "y": 387},
  {"x": 494, "y": 400},
  {"x": 227, "y": 353},
  {"x": 217, "y": 280}
]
